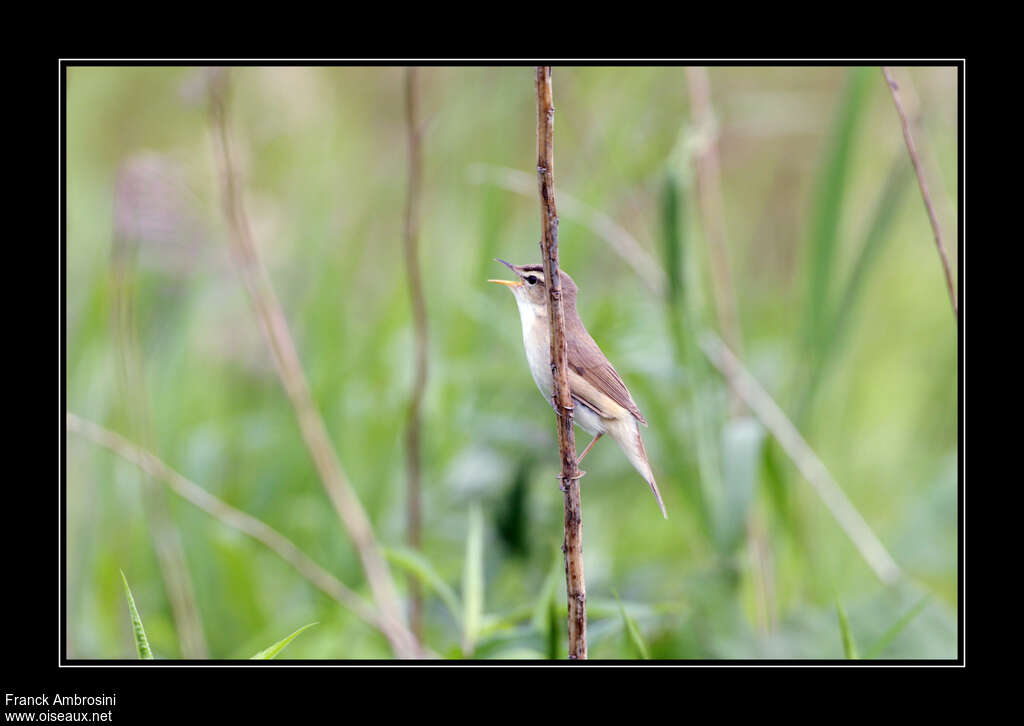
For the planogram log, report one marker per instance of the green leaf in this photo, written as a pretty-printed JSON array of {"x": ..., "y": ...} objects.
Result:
[
  {"x": 473, "y": 580},
  {"x": 683, "y": 316},
  {"x": 513, "y": 520},
  {"x": 672, "y": 236},
  {"x": 826, "y": 208},
  {"x": 497, "y": 623},
  {"x": 141, "y": 642},
  {"x": 777, "y": 487},
  {"x": 877, "y": 234},
  {"x": 632, "y": 631},
  {"x": 547, "y": 617},
  {"x": 420, "y": 567},
  {"x": 277, "y": 647},
  {"x": 849, "y": 646},
  {"x": 556, "y": 624},
  {"x": 890, "y": 635}
]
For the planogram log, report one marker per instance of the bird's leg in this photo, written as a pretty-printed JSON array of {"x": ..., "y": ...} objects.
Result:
[
  {"x": 581, "y": 473},
  {"x": 587, "y": 450}
]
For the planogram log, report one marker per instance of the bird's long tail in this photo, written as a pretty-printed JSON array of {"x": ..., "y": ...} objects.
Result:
[{"x": 627, "y": 435}]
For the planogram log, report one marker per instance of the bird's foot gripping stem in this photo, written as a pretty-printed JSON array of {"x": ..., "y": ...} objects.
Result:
[{"x": 561, "y": 480}]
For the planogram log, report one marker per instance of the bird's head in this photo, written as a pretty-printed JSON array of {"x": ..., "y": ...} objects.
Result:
[{"x": 530, "y": 289}]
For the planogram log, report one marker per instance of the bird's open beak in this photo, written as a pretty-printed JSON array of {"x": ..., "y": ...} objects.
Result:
[{"x": 510, "y": 266}]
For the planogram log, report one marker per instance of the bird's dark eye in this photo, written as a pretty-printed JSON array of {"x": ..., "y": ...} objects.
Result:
[{"x": 532, "y": 279}]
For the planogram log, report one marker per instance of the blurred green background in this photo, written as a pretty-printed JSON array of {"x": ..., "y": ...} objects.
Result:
[{"x": 842, "y": 309}]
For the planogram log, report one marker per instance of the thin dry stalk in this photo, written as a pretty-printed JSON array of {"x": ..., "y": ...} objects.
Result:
[
  {"x": 419, "y": 310},
  {"x": 712, "y": 207},
  {"x": 912, "y": 149},
  {"x": 917, "y": 110},
  {"x": 234, "y": 518},
  {"x": 803, "y": 456},
  {"x": 762, "y": 571},
  {"x": 286, "y": 360},
  {"x": 572, "y": 545},
  {"x": 766, "y": 410},
  {"x": 712, "y": 216}
]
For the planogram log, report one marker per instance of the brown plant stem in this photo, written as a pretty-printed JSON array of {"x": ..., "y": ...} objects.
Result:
[
  {"x": 760, "y": 402},
  {"x": 912, "y": 149},
  {"x": 289, "y": 368},
  {"x": 419, "y": 310},
  {"x": 234, "y": 518},
  {"x": 572, "y": 545},
  {"x": 917, "y": 110}
]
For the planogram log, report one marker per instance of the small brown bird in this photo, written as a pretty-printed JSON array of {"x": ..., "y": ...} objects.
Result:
[{"x": 602, "y": 402}]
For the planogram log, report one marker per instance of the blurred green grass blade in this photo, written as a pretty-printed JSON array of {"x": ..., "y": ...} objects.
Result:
[
  {"x": 280, "y": 645},
  {"x": 416, "y": 564},
  {"x": 553, "y": 628},
  {"x": 826, "y": 207},
  {"x": 890, "y": 635},
  {"x": 473, "y": 580},
  {"x": 877, "y": 234},
  {"x": 741, "y": 449},
  {"x": 494, "y": 623},
  {"x": 547, "y": 618},
  {"x": 141, "y": 642},
  {"x": 548, "y": 590},
  {"x": 513, "y": 520},
  {"x": 849, "y": 646},
  {"x": 682, "y": 318},
  {"x": 672, "y": 236},
  {"x": 777, "y": 486},
  {"x": 632, "y": 631}
]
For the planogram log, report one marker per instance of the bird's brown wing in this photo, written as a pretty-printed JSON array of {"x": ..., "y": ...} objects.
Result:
[{"x": 592, "y": 378}]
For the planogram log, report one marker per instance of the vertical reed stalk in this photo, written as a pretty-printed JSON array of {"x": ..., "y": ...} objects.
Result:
[
  {"x": 419, "y": 311},
  {"x": 572, "y": 545},
  {"x": 749, "y": 390},
  {"x": 912, "y": 149},
  {"x": 712, "y": 207}
]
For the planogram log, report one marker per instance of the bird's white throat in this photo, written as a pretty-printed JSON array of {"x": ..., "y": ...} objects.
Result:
[{"x": 537, "y": 342}]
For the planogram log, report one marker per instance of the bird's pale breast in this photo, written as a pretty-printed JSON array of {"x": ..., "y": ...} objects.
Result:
[{"x": 537, "y": 342}]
